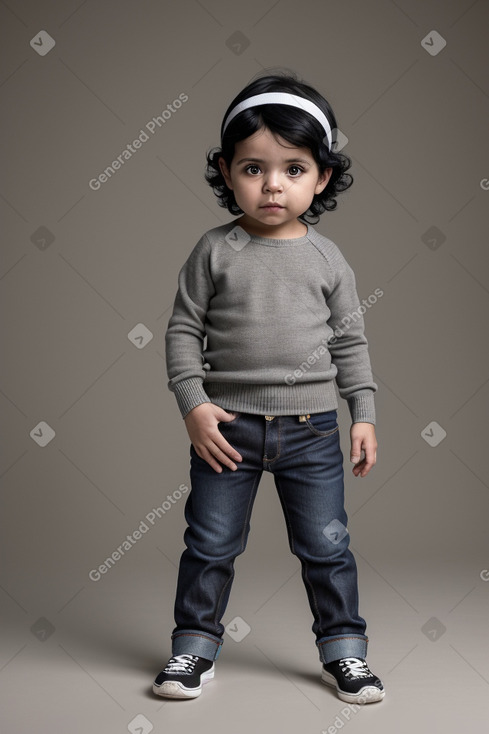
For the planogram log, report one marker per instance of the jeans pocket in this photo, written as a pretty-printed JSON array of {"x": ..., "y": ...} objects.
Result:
[{"x": 323, "y": 424}]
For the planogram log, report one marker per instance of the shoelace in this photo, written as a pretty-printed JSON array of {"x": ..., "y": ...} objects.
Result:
[
  {"x": 355, "y": 668},
  {"x": 183, "y": 664}
]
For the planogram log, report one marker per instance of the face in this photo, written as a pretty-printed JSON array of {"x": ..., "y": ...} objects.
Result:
[{"x": 273, "y": 183}]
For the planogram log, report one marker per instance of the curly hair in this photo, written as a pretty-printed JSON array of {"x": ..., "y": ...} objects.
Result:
[{"x": 296, "y": 126}]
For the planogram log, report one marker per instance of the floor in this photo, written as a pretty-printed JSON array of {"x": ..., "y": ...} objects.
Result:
[{"x": 90, "y": 669}]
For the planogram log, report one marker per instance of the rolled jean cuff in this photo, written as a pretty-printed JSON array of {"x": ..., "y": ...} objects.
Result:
[
  {"x": 196, "y": 643},
  {"x": 342, "y": 646}
]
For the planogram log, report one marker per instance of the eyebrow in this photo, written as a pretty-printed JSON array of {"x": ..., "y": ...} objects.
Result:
[{"x": 260, "y": 160}]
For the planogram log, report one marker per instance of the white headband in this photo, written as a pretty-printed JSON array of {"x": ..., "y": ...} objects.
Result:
[{"x": 282, "y": 98}]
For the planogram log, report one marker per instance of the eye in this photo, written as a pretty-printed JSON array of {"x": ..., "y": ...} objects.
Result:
[
  {"x": 254, "y": 166},
  {"x": 298, "y": 170}
]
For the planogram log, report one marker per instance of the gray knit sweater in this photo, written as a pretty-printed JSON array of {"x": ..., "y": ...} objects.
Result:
[{"x": 268, "y": 326}]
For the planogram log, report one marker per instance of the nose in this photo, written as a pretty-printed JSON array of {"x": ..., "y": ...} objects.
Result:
[{"x": 273, "y": 182}]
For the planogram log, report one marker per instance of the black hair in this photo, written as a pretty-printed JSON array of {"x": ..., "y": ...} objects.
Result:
[{"x": 296, "y": 126}]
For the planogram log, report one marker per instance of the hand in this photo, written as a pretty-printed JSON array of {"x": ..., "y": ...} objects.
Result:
[
  {"x": 209, "y": 443},
  {"x": 362, "y": 436}
]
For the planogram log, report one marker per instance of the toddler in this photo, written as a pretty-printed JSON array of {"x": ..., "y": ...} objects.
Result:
[{"x": 266, "y": 321}]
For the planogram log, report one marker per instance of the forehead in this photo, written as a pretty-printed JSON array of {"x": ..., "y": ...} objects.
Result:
[{"x": 267, "y": 146}]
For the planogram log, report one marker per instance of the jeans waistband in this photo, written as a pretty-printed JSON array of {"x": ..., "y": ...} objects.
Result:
[{"x": 301, "y": 418}]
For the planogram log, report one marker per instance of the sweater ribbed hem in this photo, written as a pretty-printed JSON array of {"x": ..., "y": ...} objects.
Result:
[{"x": 298, "y": 399}]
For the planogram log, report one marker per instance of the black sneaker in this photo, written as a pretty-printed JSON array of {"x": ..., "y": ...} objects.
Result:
[
  {"x": 353, "y": 680},
  {"x": 183, "y": 677}
]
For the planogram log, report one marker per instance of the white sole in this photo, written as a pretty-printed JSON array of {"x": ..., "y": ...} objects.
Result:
[
  {"x": 175, "y": 689},
  {"x": 368, "y": 694}
]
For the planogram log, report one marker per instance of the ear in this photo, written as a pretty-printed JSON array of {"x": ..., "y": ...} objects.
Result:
[
  {"x": 323, "y": 180},
  {"x": 225, "y": 172}
]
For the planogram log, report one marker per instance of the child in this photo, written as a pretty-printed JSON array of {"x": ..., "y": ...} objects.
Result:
[{"x": 277, "y": 303}]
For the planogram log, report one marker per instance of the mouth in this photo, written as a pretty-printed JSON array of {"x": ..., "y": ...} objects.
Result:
[{"x": 272, "y": 206}]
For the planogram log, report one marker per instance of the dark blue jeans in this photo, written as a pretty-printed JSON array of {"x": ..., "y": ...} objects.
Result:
[{"x": 304, "y": 455}]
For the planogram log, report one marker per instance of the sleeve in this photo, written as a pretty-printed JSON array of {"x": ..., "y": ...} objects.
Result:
[
  {"x": 184, "y": 338},
  {"x": 349, "y": 347}
]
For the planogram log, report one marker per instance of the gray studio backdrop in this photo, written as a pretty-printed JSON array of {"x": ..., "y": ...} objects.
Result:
[{"x": 95, "y": 455}]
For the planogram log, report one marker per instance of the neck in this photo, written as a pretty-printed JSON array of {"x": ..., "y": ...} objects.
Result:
[{"x": 287, "y": 230}]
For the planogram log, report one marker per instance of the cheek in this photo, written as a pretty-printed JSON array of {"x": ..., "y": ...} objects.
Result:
[
  {"x": 244, "y": 188},
  {"x": 310, "y": 189}
]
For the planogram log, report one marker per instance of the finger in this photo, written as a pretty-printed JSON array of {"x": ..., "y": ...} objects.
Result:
[
  {"x": 367, "y": 466},
  {"x": 355, "y": 456},
  {"x": 358, "y": 469},
  {"x": 227, "y": 417},
  {"x": 221, "y": 456},
  {"x": 370, "y": 458},
  {"x": 209, "y": 458},
  {"x": 226, "y": 447},
  {"x": 356, "y": 451}
]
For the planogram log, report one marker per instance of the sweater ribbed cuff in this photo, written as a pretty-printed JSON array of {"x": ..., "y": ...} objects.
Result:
[
  {"x": 190, "y": 393},
  {"x": 362, "y": 407}
]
